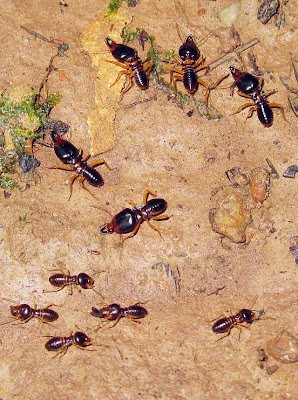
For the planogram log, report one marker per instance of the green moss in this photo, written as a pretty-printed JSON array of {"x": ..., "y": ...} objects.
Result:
[
  {"x": 169, "y": 54},
  {"x": 23, "y": 221},
  {"x": 157, "y": 57},
  {"x": 183, "y": 99},
  {"x": 54, "y": 99},
  {"x": 113, "y": 7},
  {"x": 128, "y": 35},
  {"x": 8, "y": 183},
  {"x": 8, "y": 161},
  {"x": 210, "y": 113},
  {"x": 22, "y": 117}
]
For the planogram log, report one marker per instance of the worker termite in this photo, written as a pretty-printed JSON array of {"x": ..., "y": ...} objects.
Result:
[
  {"x": 225, "y": 324},
  {"x": 62, "y": 343},
  {"x": 61, "y": 280},
  {"x": 23, "y": 313},
  {"x": 114, "y": 312}
]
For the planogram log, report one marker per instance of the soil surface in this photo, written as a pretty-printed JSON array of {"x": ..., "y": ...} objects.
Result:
[{"x": 192, "y": 275}]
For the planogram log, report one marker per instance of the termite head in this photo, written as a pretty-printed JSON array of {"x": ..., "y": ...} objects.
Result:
[
  {"x": 85, "y": 281},
  {"x": 21, "y": 311},
  {"x": 106, "y": 229},
  {"x": 110, "y": 312},
  {"x": 189, "y": 51},
  {"x": 249, "y": 316},
  {"x": 121, "y": 52},
  {"x": 81, "y": 339}
]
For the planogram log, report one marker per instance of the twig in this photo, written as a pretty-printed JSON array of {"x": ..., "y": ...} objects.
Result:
[
  {"x": 216, "y": 291},
  {"x": 43, "y": 84},
  {"x": 273, "y": 173},
  {"x": 38, "y": 35},
  {"x": 293, "y": 105},
  {"x": 232, "y": 54},
  {"x": 127, "y": 106},
  {"x": 289, "y": 88},
  {"x": 62, "y": 48}
]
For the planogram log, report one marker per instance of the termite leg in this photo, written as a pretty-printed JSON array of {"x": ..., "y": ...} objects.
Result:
[
  {"x": 276, "y": 105},
  {"x": 117, "y": 63},
  {"x": 154, "y": 227},
  {"x": 116, "y": 322},
  {"x": 199, "y": 68},
  {"x": 225, "y": 335},
  {"x": 101, "y": 161},
  {"x": 242, "y": 107},
  {"x": 146, "y": 194},
  {"x": 250, "y": 112},
  {"x": 271, "y": 92},
  {"x": 148, "y": 67},
  {"x": 123, "y": 72},
  {"x": 81, "y": 182},
  {"x": 161, "y": 217},
  {"x": 62, "y": 167},
  {"x": 133, "y": 233},
  {"x": 70, "y": 183},
  {"x": 243, "y": 94},
  {"x": 130, "y": 76},
  {"x": 52, "y": 291},
  {"x": 175, "y": 79}
]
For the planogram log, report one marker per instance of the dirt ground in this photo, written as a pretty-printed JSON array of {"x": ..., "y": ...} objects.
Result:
[{"x": 173, "y": 354}]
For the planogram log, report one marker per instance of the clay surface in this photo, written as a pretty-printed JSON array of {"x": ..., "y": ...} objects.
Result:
[{"x": 191, "y": 276}]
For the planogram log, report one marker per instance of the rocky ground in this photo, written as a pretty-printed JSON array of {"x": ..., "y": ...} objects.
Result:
[{"x": 190, "y": 276}]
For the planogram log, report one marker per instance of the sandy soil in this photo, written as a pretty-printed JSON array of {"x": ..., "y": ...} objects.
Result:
[{"x": 173, "y": 354}]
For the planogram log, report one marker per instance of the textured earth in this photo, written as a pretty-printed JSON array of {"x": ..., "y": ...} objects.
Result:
[{"x": 192, "y": 275}]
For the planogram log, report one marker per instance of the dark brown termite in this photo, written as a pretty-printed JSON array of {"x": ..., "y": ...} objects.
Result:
[
  {"x": 23, "y": 313},
  {"x": 225, "y": 324},
  {"x": 114, "y": 312}
]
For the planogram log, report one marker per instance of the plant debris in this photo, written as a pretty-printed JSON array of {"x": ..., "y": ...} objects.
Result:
[
  {"x": 60, "y": 128},
  {"x": 170, "y": 273},
  {"x": 262, "y": 357},
  {"x": 21, "y": 120},
  {"x": 8, "y": 183},
  {"x": 273, "y": 173},
  {"x": 128, "y": 35},
  {"x": 133, "y": 3},
  {"x": 28, "y": 162},
  {"x": 290, "y": 172},
  {"x": 23, "y": 113},
  {"x": 236, "y": 177},
  {"x": 294, "y": 105},
  {"x": 294, "y": 248},
  {"x": 267, "y": 9},
  {"x": 255, "y": 69},
  {"x": 271, "y": 369},
  {"x": 114, "y": 6},
  {"x": 143, "y": 37},
  {"x": 216, "y": 292},
  {"x": 229, "y": 14}
]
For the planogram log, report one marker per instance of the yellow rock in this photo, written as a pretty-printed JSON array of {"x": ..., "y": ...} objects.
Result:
[
  {"x": 107, "y": 99},
  {"x": 231, "y": 218}
]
